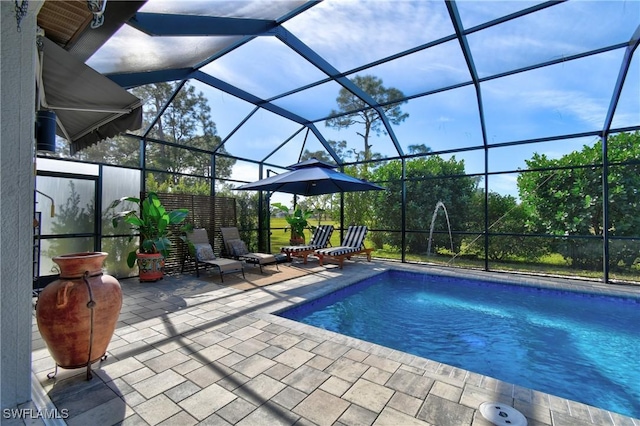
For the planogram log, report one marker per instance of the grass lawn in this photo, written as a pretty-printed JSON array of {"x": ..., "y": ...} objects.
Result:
[
  {"x": 552, "y": 264},
  {"x": 280, "y": 238}
]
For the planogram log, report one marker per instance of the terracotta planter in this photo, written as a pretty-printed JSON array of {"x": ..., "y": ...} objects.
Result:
[
  {"x": 150, "y": 266},
  {"x": 77, "y": 314},
  {"x": 296, "y": 240}
]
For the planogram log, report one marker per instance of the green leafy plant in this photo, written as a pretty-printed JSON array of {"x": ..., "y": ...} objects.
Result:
[
  {"x": 152, "y": 221},
  {"x": 298, "y": 220}
]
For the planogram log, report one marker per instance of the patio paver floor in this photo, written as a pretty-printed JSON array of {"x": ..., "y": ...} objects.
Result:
[{"x": 189, "y": 352}]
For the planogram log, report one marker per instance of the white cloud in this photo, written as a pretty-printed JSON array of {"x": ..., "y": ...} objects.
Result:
[
  {"x": 506, "y": 184},
  {"x": 245, "y": 171},
  {"x": 350, "y": 33},
  {"x": 443, "y": 119}
]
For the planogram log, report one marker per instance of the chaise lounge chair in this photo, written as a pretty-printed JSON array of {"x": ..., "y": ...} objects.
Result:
[
  {"x": 201, "y": 251},
  {"x": 238, "y": 249},
  {"x": 320, "y": 239},
  {"x": 353, "y": 243}
]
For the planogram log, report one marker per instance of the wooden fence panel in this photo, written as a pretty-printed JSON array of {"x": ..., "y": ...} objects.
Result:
[{"x": 206, "y": 212}]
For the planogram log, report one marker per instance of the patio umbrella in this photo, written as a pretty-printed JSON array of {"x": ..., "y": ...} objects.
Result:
[{"x": 311, "y": 177}]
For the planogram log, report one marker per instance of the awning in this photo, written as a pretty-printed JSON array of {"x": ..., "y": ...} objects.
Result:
[{"x": 89, "y": 106}]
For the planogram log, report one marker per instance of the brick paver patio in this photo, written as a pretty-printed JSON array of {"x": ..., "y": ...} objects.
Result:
[{"x": 187, "y": 351}]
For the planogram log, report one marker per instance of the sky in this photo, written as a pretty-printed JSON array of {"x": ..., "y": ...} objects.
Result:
[{"x": 569, "y": 97}]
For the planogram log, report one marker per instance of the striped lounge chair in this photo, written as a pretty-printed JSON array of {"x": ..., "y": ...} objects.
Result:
[
  {"x": 353, "y": 243},
  {"x": 319, "y": 240}
]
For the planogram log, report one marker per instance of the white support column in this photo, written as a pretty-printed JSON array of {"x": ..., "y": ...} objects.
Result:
[{"x": 18, "y": 69}]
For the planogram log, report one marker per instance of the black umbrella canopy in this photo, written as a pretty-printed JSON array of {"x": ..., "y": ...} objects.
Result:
[
  {"x": 312, "y": 162},
  {"x": 311, "y": 177}
]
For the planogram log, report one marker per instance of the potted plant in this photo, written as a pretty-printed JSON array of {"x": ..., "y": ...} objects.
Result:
[
  {"x": 152, "y": 221},
  {"x": 298, "y": 221}
]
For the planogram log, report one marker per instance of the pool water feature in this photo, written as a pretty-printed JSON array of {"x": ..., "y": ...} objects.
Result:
[{"x": 578, "y": 346}]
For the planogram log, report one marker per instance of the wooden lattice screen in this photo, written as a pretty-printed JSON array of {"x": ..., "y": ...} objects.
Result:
[{"x": 206, "y": 212}]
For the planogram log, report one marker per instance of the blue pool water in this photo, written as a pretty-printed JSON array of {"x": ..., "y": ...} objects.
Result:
[{"x": 574, "y": 345}]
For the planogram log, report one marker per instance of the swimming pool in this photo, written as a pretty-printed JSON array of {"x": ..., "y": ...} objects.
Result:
[{"x": 577, "y": 346}]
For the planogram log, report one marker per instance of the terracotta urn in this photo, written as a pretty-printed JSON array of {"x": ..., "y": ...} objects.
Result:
[
  {"x": 296, "y": 240},
  {"x": 77, "y": 314}
]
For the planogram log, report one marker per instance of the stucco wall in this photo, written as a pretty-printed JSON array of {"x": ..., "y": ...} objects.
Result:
[{"x": 16, "y": 201}]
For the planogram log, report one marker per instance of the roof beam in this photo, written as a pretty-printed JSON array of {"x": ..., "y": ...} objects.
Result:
[
  {"x": 163, "y": 108},
  {"x": 283, "y": 144},
  {"x": 129, "y": 80},
  {"x": 319, "y": 62},
  {"x": 142, "y": 78},
  {"x": 326, "y": 144},
  {"x": 501, "y": 20},
  {"x": 622, "y": 75},
  {"x": 466, "y": 51},
  {"x": 315, "y": 131},
  {"x": 162, "y": 24},
  {"x": 244, "y": 120},
  {"x": 295, "y": 12},
  {"x": 248, "y": 97}
]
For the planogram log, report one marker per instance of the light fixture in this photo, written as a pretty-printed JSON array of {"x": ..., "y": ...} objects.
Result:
[{"x": 46, "y": 131}]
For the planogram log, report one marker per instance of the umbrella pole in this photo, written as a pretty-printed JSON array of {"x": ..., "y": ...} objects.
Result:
[
  {"x": 268, "y": 222},
  {"x": 341, "y": 216}
]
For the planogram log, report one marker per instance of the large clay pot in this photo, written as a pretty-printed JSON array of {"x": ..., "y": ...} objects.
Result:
[
  {"x": 296, "y": 240},
  {"x": 77, "y": 314},
  {"x": 150, "y": 266}
]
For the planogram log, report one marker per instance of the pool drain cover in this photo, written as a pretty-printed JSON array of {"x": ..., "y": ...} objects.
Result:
[{"x": 501, "y": 414}]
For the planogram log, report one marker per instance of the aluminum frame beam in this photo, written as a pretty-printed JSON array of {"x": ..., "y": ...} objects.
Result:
[
  {"x": 319, "y": 62},
  {"x": 161, "y": 24}
]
